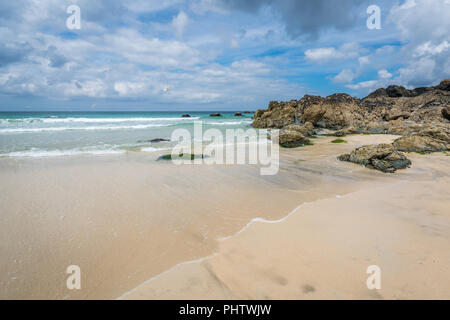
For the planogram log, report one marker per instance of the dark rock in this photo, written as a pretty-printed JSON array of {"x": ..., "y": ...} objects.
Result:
[
  {"x": 392, "y": 117},
  {"x": 186, "y": 115},
  {"x": 446, "y": 113},
  {"x": 382, "y": 157},
  {"x": 215, "y": 115},
  {"x": 340, "y": 133},
  {"x": 238, "y": 114},
  {"x": 444, "y": 85},
  {"x": 397, "y": 92},
  {"x": 159, "y": 140}
]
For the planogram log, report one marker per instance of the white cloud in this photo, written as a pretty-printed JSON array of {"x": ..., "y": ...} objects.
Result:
[
  {"x": 128, "y": 88},
  {"x": 234, "y": 43},
  {"x": 364, "y": 60},
  {"x": 90, "y": 88},
  {"x": 384, "y": 74},
  {"x": 372, "y": 84},
  {"x": 428, "y": 48},
  {"x": 324, "y": 55},
  {"x": 180, "y": 22},
  {"x": 424, "y": 26},
  {"x": 344, "y": 76}
]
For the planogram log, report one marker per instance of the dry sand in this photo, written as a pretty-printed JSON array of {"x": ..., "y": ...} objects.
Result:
[{"x": 127, "y": 219}]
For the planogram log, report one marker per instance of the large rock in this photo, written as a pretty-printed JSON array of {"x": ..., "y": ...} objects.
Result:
[
  {"x": 429, "y": 140},
  {"x": 381, "y": 157},
  {"x": 292, "y": 139}
]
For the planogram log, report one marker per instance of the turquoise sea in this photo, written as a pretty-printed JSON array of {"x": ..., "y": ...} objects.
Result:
[{"x": 46, "y": 134}]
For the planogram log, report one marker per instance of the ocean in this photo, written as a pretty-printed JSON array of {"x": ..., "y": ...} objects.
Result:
[{"x": 49, "y": 134}]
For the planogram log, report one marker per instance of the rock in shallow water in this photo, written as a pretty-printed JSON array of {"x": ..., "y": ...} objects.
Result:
[
  {"x": 382, "y": 157},
  {"x": 159, "y": 140}
]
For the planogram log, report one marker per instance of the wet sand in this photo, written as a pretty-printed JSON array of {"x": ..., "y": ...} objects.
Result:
[{"x": 131, "y": 224}]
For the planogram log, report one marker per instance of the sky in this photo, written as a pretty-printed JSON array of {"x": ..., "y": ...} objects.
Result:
[{"x": 205, "y": 55}]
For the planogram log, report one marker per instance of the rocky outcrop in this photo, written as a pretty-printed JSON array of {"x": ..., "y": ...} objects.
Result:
[
  {"x": 186, "y": 115},
  {"x": 381, "y": 157},
  {"x": 215, "y": 115},
  {"x": 278, "y": 115},
  {"x": 238, "y": 114},
  {"x": 394, "y": 110}
]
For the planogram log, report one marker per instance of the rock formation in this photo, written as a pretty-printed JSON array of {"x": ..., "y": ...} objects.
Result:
[
  {"x": 421, "y": 116},
  {"x": 395, "y": 110}
]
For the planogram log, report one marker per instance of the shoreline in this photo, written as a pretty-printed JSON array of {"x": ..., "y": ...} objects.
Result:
[
  {"x": 201, "y": 268},
  {"x": 176, "y": 283},
  {"x": 161, "y": 217}
]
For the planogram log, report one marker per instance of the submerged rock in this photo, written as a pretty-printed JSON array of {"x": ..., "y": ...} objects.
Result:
[
  {"x": 182, "y": 156},
  {"x": 159, "y": 140},
  {"x": 382, "y": 157}
]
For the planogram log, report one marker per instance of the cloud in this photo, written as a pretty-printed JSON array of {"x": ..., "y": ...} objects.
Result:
[
  {"x": 423, "y": 26},
  {"x": 11, "y": 53},
  {"x": 180, "y": 22},
  {"x": 215, "y": 52},
  {"x": 344, "y": 76},
  {"x": 429, "y": 49},
  {"x": 384, "y": 74},
  {"x": 305, "y": 18},
  {"x": 56, "y": 60},
  {"x": 324, "y": 55},
  {"x": 372, "y": 84}
]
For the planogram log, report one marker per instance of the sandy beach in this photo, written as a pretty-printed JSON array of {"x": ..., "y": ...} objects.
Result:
[
  {"x": 142, "y": 229},
  {"x": 322, "y": 251}
]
